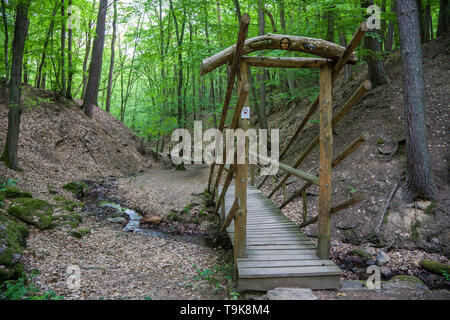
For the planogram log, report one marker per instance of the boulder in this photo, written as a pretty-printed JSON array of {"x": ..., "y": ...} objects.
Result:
[
  {"x": 117, "y": 220},
  {"x": 151, "y": 219},
  {"x": 382, "y": 258},
  {"x": 36, "y": 212}
]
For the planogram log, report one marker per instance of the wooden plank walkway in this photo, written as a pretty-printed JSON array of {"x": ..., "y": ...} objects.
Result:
[{"x": 278, "y": 253}]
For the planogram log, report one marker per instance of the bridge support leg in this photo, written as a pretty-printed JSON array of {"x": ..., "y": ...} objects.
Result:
[
  {"x": 326, "y": 154},
  {"x": 240, "y": 220}
]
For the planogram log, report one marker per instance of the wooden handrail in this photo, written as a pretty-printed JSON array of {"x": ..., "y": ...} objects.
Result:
[
  {"x": 351, "y": 102},
  {"x": 231, "y": 215},
  {"x": 356, "y": 39},
  {"x": 320, "y": 47},
  {"x": 285, "y": 62},
  {"x": 344, "y": 154}
]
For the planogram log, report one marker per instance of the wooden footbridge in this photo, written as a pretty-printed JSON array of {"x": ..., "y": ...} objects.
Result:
[{"x": 269, "y": 249}]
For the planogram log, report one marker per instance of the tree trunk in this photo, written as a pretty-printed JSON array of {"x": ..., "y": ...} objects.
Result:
[
  {"x": 419, "y": 182},
  {"x": 377, "y": 73},
  {"x": 390, "y": 33},
  {"x": 426, "y": 22},
  {"x": 5, "y": 25},
  {"x": 347, "y": 68},
  {"x": 63, "y": 45},
  {"x": 69, "y": 58},
  {"x": 330, "y": 24},
  {"x": 444, "y": 17},
  {"x": 95, "y": 66},
  {"x": 111, "y": 64},
  {"x": 15, "y": 106},
  {"x": 86, "y": 54},
  {"x": 262, "y": 74},
  {"x": 39, "y": 80}
]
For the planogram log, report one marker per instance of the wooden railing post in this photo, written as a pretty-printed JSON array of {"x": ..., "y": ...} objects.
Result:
[
  {"x": 240, "y": 221},
  {"x": 326, "y": 153}
]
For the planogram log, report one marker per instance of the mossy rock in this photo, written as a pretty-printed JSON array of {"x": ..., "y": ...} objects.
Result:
[
  {"x": 80, "y": 233},
  {"x": 36, "y": 212},
  {"x": 435, "y": 267},
  {"x": 13, "y": 235},
  {"x": 77, "y": 188},
  {"x": 67, "y": 204},
  {"x": 402, "y": 277},
  {"x": 361, "y": 253},
  {"x": 11, "y": 192},
  {"x": 73, "y": 220}
]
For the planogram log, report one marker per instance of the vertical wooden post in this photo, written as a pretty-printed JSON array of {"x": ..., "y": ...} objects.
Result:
[
  {"x": 326, "y": 152},
  {"x": 240, "y": 221},
  {"x": 305, "y": 205}
]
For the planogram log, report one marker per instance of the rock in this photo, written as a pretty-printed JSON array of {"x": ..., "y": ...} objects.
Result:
[
  {"x": 423, "y": 205},
  {"x": 405, "y": 282},
  {"x": 353, "y": 285},
  {"x": 291, "y": 294},
  {"x": 382, "y": 258},
  {"x": 370, "y": 262},
  {"x": 77, "y": 188},
  {"x": 13, "y": 193},
  {"x": 386, "y": 272},
  {"x": 117, "y": 220},
  {"x": 434, "y": 266},
  {"x": 36, "y": 212},
  {"x": 80, "y": 233},
  {"x": 151, "y": 219}
]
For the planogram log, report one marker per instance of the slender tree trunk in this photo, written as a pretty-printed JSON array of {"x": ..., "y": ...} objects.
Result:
[
  {"x": 444, "y": 17},
  {"x": 5, "y": 26},
  {"x": 44, "y": 50},
  {"x": 95, "y": 66},
  {"x": 426, "y": 21},
  {"x": 69, "y": 57},
  {"x": 419, "y": 183},
  {"x": 330, "y": 24},
  {"x": 262, "y": 74},
  {"x": 347, "y": 68},
  {"x": 390, "y": 33},
  {"x": 63, "y": 45},
  {"x": 15, "y": 106},
  {"x": 377, "y": 73},
  {"x": 111, "y": 64},
  {"x": 87, "y": 53}
]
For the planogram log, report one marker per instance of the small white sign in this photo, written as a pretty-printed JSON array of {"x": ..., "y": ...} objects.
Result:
[{"x": 245, "y": 114}]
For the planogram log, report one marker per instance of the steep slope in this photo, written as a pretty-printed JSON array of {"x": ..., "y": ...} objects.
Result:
[
  {"x": 58, "y": 143},
  {"x": 380, "y": 113}
]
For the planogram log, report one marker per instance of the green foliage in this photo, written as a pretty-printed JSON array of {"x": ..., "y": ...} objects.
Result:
[
  {"x": 351, "y": 189},
  {"x": 23, "y": 289},
  {"x": 80, "y": 233},
  {"x": 77, "y": 188},
  {"x": 435, "y": 267}
]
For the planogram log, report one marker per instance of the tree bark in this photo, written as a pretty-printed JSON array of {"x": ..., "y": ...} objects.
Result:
[
  {"x": 111, "y": 64},
  {"x": 444, "y": 17},
  {"x": 390, "y": 33},
  {"x": 15, "y": 107},
  {"x": 261, "y": 76},
  {"x": 377, "y": 72},
  {"x": 69, "y": 58},
  {"x": 87, "y": 53},
  {"x": 419, "y": 182},
  {"x": 39, "y": 81},
  {"x": 63, "y": 45},
  {"x": 5, "y": 26},
  {"x": 95, "y": 66}
]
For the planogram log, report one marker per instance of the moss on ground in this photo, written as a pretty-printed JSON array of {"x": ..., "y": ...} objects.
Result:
[
  {"x": 36, "y": 212},
  {"x": 402, "y": 277},
  {"x": 80, "y": 233},
  {"x": 11, "y": 192},
  {"x": 67, "y": 204},
  {"x": 78, "y": 188},
  {"x": 13, "y": 235},
  {"x": 361, "y": 253},
  {"x": 435, "y": 267}
]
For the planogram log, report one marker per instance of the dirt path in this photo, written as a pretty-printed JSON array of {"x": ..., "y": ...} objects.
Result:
[{"x": 117, "y": 265}]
